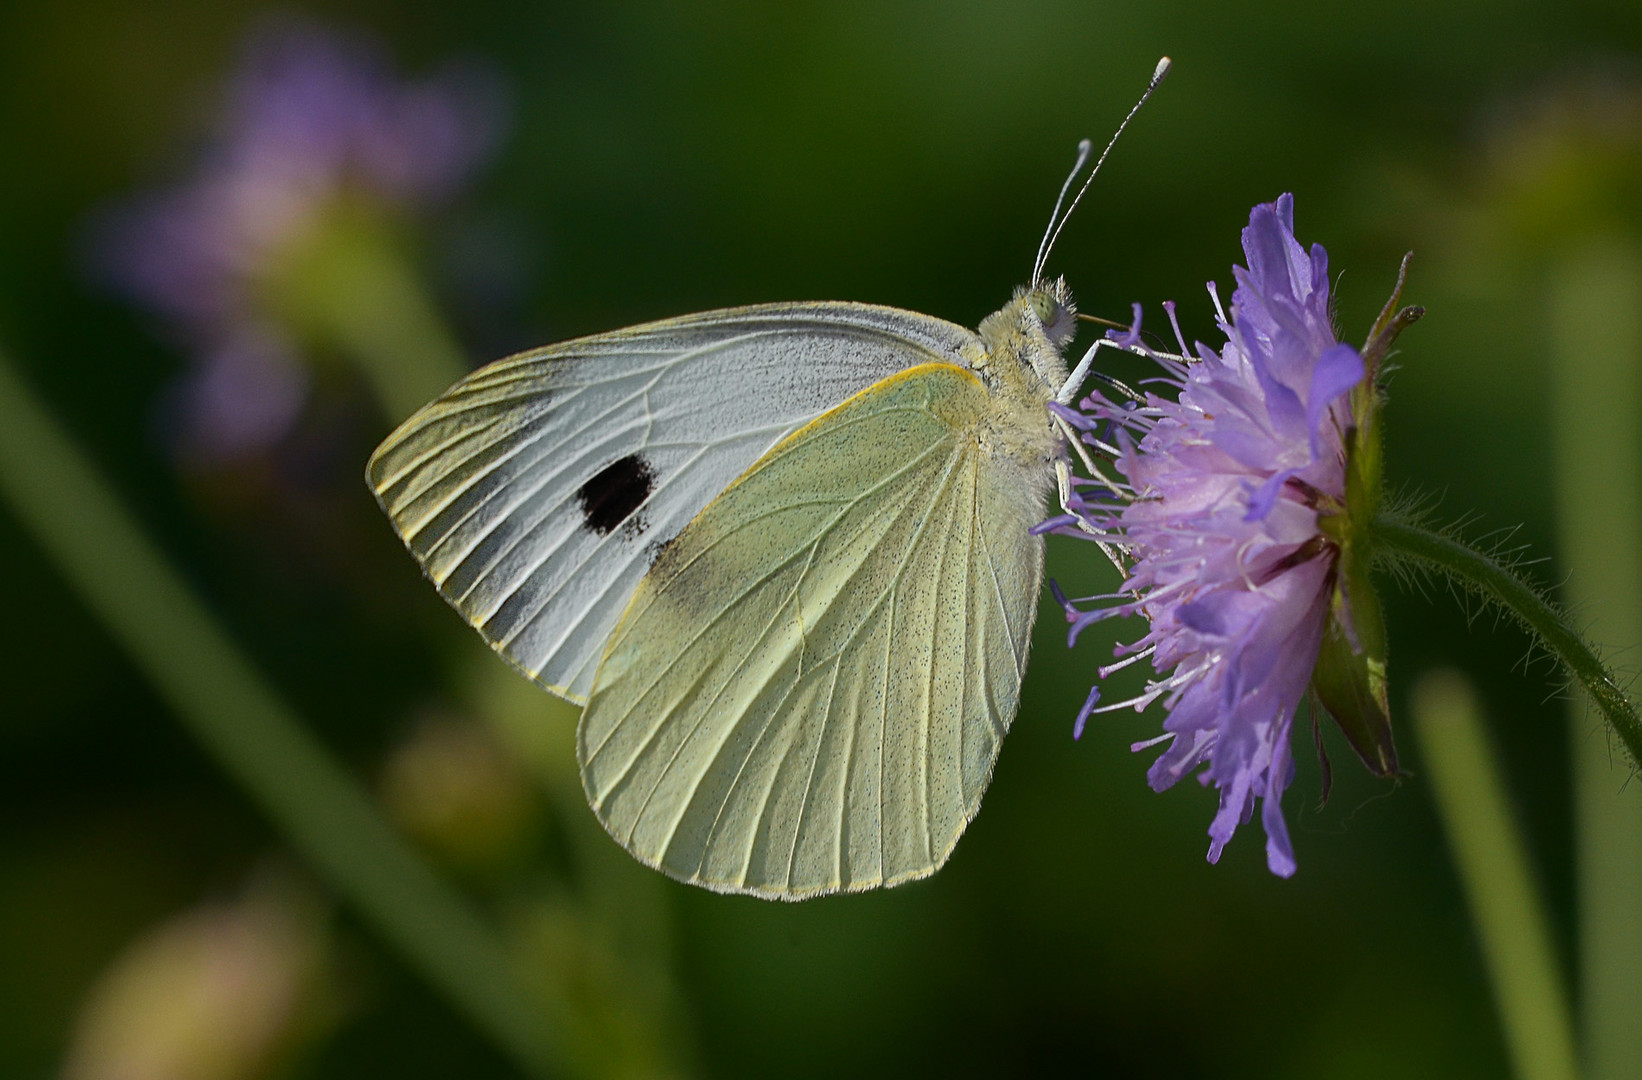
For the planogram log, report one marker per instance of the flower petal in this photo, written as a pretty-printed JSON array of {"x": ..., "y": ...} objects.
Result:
[{"x": 1337, "y": 371}]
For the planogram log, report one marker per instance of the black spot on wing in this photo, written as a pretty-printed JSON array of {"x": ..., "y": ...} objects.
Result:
[{"x": 615, "y": 492}]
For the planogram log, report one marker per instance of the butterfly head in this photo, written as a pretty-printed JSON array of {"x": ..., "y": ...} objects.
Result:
[
  {"x": 1051, "y": 302},
  {"x": 1024, "y": 339}
]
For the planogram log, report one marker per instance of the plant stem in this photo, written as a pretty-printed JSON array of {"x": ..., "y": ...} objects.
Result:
[
  {"x": 1595, "y": 331},
  {"x": 369, "y": 301},
  {"x": 57, "y": 494},
  {"x": 1492, "y": 860},
  {"x": 1482, "y": 572}
]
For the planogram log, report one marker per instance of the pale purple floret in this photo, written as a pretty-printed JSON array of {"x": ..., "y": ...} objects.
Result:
[
  {"x": 1219, "y": 512},
  {"x": 309, "y": 116}
]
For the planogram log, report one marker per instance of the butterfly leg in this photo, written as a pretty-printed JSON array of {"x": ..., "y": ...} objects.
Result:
[
  {"x": 1063, "y": 470},
  {"x": 1063, "y": 483},
  {"x": 1074, "y": 439},
  {"x": 1074, "y": 382},
  {"x": 1081, "y": 373}
]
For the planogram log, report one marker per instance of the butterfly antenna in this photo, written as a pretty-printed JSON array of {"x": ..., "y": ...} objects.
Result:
[
  {"x": 1057, "y": 220},
  {"x": 1084, "y": 147}
]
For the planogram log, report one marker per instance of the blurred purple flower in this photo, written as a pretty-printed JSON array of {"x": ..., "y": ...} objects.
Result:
[
  {"x": 1220, "y": 510},
  {"x": 308, "y": 117}
]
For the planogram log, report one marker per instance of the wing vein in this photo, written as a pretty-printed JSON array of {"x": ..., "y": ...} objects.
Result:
[
  {"x": 428, "y": 514},
  {"x": 925, "y": 742},
  {"x": 718, "y": 816},
  {"x": 1003, "y": 608},
  {"x": 972, "y": 619},
  {"x": 809, "y": 779},
  {"x": 894, "y": 589}
]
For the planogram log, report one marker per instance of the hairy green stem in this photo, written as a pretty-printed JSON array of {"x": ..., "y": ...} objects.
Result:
[
  {"x": 1474, "y": 569},
  {"x": 58, "y": 495}
]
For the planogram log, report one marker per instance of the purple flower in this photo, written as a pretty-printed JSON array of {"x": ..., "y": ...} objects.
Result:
[
  {"x": 1224, "y": 509},
  {"x": 310, "y": 119}
]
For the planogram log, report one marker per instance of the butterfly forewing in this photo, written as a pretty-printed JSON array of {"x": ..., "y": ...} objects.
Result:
[
  {"x": 808, "y": 691},
  {"x": 538, "y": 491}
]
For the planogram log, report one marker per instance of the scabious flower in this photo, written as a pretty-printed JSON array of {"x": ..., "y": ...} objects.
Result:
[
  {"x": 311, "y": 120},
  {"x": 1231, "y": 510}
]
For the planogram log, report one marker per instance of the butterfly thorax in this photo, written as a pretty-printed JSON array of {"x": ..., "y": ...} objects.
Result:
[{"x": 1024, "y": 369}]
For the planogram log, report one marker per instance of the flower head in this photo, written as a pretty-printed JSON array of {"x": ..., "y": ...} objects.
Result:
[
  {"x": 1229, "y": 506},
  {"x": 310, "y": 120}
]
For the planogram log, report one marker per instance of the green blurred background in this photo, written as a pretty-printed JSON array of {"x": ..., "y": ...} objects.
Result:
[{"x": 665, "y": 158}]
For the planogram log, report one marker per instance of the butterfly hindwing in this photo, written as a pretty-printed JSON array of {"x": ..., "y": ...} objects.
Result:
[
  {"x": 537, "y": 491},
  {"x": 808, "y": 691}
]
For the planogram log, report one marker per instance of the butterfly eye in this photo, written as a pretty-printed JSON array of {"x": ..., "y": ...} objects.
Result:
[{"x": 1055, "y": 316}]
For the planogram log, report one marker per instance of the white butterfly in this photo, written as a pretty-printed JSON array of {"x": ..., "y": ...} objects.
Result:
[{"x": 782, "y": 554}]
